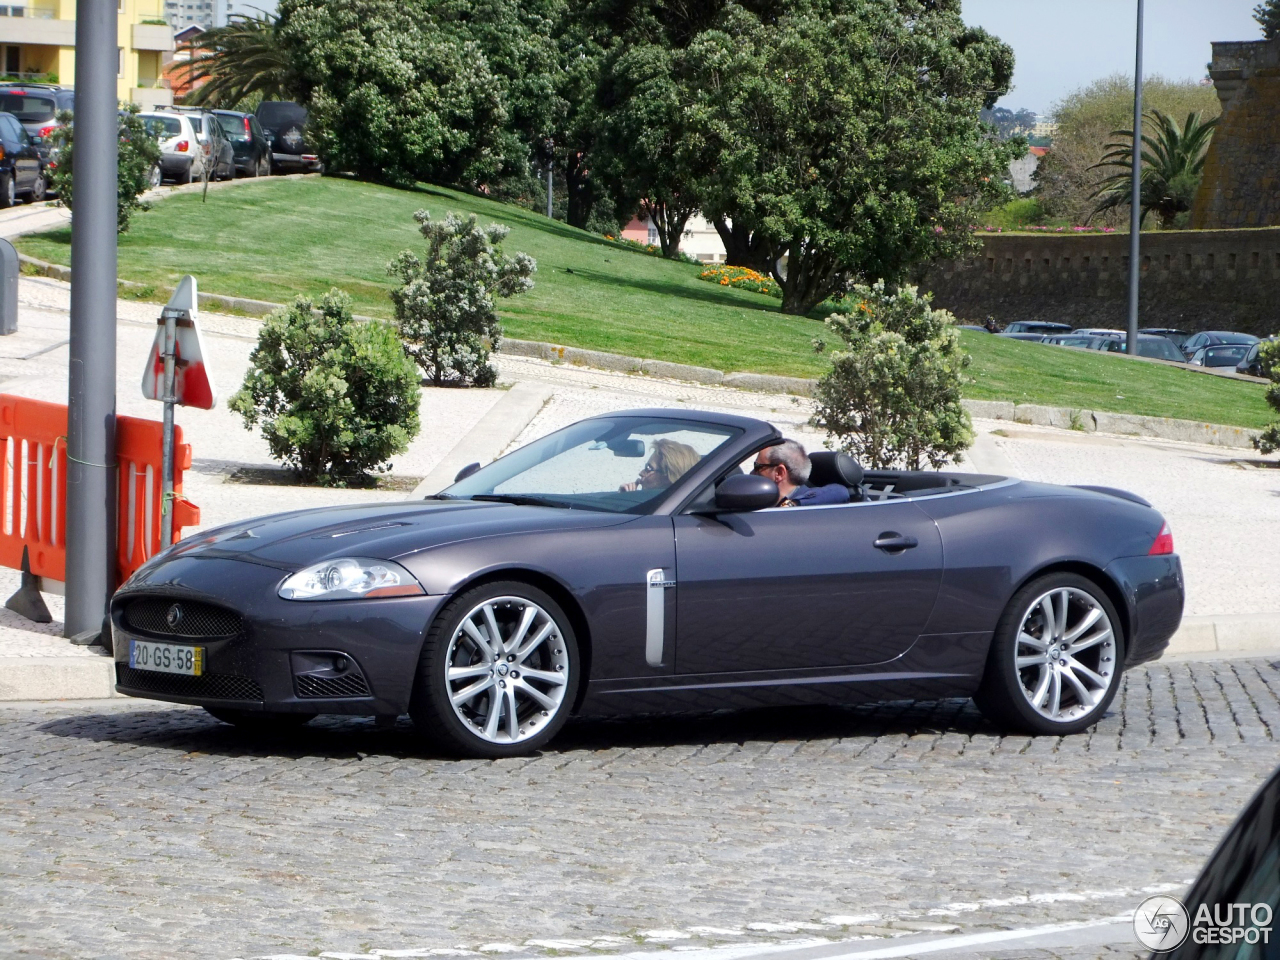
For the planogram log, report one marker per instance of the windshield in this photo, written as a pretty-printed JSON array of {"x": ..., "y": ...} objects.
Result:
[
  {"x": 612, "y": 464},
  {"x": 277, "y": 113},
  {"x": 27, "y": 107},
  {"x": 1223, "y": 356},
  {"x": 162, "y": 127},
  {"x": 1160, "y": 349},
  {"x": 234, "y": 127}
]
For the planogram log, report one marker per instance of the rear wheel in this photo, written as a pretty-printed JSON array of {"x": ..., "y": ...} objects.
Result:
[
  {"x": 8, "y": 196},
  {"x": 498, "y": 673},
  {"x": 264, "y": 167},
  {"x": 39, "y": 188},
  {"x": 1056, "y": 658},
  {"x": 260, "y": 719},
  {"x": 154, "y": 178}
]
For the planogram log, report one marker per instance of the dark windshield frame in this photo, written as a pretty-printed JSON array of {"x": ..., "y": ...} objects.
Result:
[{"x": 9, "y": 97}]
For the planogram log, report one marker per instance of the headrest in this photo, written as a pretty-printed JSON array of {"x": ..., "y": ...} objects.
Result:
[{"x": 830, "y": 467}]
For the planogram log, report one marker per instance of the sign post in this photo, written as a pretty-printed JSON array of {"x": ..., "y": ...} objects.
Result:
[{"x": 176, "y": 374}]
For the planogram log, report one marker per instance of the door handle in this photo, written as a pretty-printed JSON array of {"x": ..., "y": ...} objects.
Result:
[{"x": 892, "y": 542}]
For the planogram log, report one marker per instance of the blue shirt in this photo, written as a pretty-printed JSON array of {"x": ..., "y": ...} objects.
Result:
[{"x": 806, "y": 496}]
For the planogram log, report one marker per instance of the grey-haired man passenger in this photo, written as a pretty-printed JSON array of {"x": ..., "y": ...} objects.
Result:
[{"x": 787, "y": 465}]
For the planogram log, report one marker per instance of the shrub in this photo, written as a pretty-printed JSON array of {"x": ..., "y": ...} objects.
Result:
[
  {"x": 445, "y": 303},
  {"x": 1269, "y": 355},
  {"x": 335, "y": 397},
  {"x": 743, "y": 278},
  {"x": 892, "y": 396},
  {"x": 139, "y": 152}
]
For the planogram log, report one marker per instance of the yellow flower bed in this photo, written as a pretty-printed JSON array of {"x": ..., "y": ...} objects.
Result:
[{"x": 743, "y": 278}]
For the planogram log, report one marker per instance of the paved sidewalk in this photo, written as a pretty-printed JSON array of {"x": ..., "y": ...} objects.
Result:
[{"x": 1206, "y": 492}]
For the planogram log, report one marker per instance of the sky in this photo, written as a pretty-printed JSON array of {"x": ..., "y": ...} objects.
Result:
[{"x": 1060, "y": 45}]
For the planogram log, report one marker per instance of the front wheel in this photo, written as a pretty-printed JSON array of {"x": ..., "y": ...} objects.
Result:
[
  {"x": 498, "y": 673},
  {"x": 260, "y": 719},
  {"x": 1056, "y": 658}
]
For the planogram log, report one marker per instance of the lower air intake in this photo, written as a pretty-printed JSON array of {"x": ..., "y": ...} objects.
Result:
[{"x": 214, "y": 686}]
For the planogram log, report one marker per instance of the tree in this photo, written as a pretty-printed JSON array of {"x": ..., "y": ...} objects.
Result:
[
  {"x": 138, "y": 155},
  {"x": 1267, "y": 14},
  {"x": 892, "y": 396},
  {"x": 849, "y": 137},
  {"x": 444, "y": 305},
  {"x": 1269, "y": 355},
  {"x": 1068, "y": 176},
  {"x": 1007, "y": 123},
  {"x": 242, "y": 60},
  {"x": 335, "y": 397},
  {"x": 391, "y": 95},
  {"x": 1172, "y": 163}
]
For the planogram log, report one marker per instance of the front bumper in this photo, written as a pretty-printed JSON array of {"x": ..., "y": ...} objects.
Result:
[
  {"x": 1154, "y": 594},
  {"x": 282, "y": 656}
]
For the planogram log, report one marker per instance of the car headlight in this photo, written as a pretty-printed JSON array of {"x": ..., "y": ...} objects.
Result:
[{"x": 351, "y": 578}]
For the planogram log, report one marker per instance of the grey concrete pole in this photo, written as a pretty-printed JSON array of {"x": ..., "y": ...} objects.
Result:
[
  {"x": 1135, "y": 205},
  {"x": 91, "y": 400}
]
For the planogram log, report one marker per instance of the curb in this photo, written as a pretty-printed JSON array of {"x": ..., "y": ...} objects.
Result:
[{"x": 1066, "y": 418}]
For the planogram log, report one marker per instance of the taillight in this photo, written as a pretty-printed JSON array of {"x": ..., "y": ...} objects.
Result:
[
  {"x": 182, "y": 146},
  {"x": 247, "y": 131},
  {"x": 1163, "y": 543}
]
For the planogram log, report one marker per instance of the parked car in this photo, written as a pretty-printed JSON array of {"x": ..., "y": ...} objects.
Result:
[
  {"x": 1098, "y": 332},
  {"x": 541, "y": 586},
  {"x": 977, "y": 327},
  {"x": 1237, "y": 880},
  {"x": 1211, "y": 338},
  {"x": 21, "y": 168},
  {"x": 1042, "y": 327},
  {"x": 1179, "y": 337},
  {"x": 1077, "y": 341},
  {"x": 1251, "y": 364},
  {"x": 248, "y": 142},
  {"x": 1150, "y": 345},
  {"x": 285, "y": 124},
  {"x": 37, "y": 105},
  {"x": 1033, "y": 337},
  {"x": 181, "y": 158},
  {"x": 1221, "y": 355},
  {"x": 217, "y": 150}
]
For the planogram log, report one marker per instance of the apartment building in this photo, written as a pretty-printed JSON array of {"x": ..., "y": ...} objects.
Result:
[{"x": 38, "y": 42}]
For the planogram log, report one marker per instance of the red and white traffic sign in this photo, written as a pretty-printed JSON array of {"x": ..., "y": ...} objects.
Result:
[{"x": 192, "y": 386}]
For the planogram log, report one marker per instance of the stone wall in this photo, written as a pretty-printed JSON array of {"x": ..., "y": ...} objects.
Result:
[
  {"x": 1241, "y": 182},
  {"x": 1193, "y": 280}
]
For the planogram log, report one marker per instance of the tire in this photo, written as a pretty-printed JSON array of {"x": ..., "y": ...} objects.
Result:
[
  {"x": 7, "y": 195},
  {"x": 155, "y": 177},
  {"x": 39, "y": 189},
  {"x": 263, "y": 169},
  {"x": 185, "y": 177},
  {"x": 1082, "y": 660},
  {"x": 459, "y": 640},
  {"x": 260, "y": 719}
]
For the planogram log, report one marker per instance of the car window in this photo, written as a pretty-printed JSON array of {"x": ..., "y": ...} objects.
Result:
[
  {"x": 1160, "y": 349},
  {"x": 233, "y": 127},
  {"x": 27, "y": 107},
  {"x": 614, "y": 464},
  {"x": 255, "y": 127},
  {"x": 197, "y": 124},
  {"x": 280, "y": 113},
  {"x": 163, "y": 127},
  {"x": 1223, "y": 354}
]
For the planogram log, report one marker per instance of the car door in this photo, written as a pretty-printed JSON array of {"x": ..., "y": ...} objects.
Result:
[
  {"x": 803, "y": 588},
  {"x": 26, "y": 164}
]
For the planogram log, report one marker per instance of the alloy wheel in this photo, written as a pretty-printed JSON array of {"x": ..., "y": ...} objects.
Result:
[
  {"x": 10, "y": 193},
  {"x": 507, "y": 669},
  {"x": 1065, "y": 654}
]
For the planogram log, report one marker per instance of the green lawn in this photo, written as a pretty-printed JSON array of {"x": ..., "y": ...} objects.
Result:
[{"x": 271, "y": 241}]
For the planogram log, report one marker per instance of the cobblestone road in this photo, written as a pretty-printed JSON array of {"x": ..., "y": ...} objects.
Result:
[{"x": 149, "y": 831}]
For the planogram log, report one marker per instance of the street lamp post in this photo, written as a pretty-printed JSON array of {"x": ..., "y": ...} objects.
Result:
[
  {"x": 1135, "y": 200},
  {"x": 91, "y": 374}
]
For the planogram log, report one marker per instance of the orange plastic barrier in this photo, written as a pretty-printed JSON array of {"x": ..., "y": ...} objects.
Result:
[{"x": 33, "y": 488}]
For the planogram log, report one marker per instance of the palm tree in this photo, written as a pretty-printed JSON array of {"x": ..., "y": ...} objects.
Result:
[
  {"x": 1172, "y": 162},
  {"x": 243, "y": 58}
]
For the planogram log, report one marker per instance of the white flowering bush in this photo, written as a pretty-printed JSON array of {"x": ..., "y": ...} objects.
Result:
[
  {"x": 892, "y": 396},
  {"x": 445, "y": 304},
  {"x": 334, "y": 397}
]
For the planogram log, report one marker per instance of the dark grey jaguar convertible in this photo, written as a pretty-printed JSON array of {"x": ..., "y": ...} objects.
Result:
[{"x": 628, "y": 563}]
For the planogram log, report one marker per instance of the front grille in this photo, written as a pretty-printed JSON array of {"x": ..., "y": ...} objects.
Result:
[
  {"x": 215, "y": 686},
  {"x": 195, "y": 619},
  {"x": 347, "y": 685}
]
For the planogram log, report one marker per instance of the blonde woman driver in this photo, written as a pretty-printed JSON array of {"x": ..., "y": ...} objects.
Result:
[{"x": 669, "y": 461}]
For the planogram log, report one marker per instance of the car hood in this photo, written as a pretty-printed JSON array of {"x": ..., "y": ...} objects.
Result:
[{"x": 386, "y": 531}]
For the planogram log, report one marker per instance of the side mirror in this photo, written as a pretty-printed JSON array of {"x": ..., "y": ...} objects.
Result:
[
  {"x": 466, "y": 471},
  {"x": 744, "y": 492}
]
